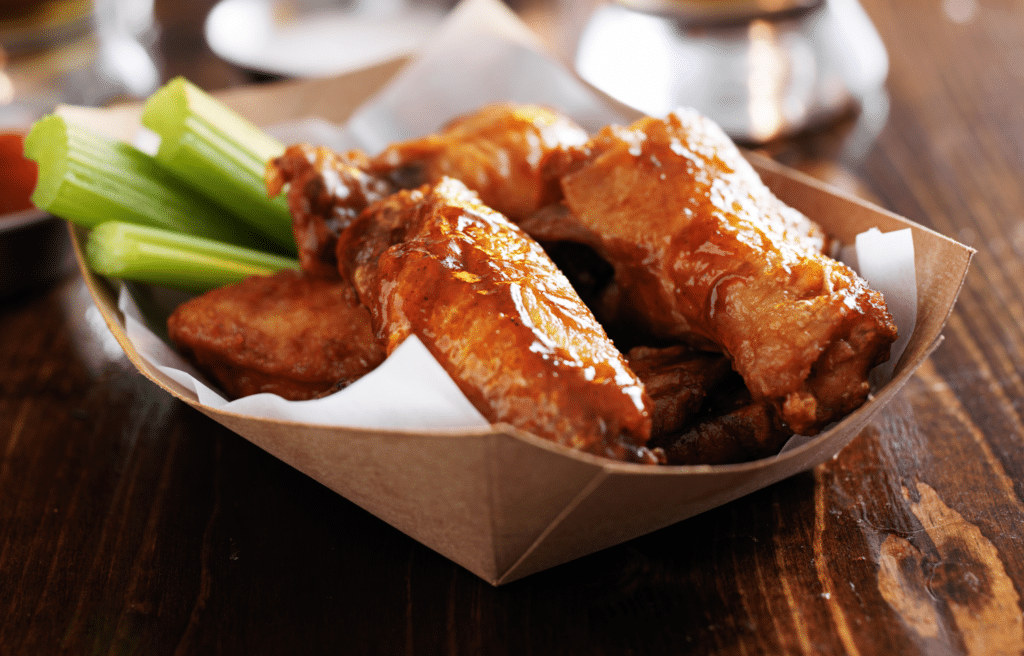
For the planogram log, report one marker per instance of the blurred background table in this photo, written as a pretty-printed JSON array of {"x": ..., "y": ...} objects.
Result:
[{"x": 131, "y": 524}]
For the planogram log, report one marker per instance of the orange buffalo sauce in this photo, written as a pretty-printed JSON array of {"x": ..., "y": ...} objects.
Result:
[{"x": 17, "y": 174}]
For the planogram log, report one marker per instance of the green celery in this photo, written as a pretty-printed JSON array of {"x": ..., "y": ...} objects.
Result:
[
  {"x": 215, "y": 150},
  {"x": 171, "y": 259},
  {"x": 86, "y": 179}
]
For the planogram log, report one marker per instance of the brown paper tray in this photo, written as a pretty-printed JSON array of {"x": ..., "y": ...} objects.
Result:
[{"x": 500, "y": 502}]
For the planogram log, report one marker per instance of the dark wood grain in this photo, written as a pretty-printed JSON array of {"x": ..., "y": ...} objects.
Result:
[{"x": 130, "y": 524}]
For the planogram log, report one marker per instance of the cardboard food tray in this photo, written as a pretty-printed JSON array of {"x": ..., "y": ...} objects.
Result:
[{"x": 502, "y": 503}]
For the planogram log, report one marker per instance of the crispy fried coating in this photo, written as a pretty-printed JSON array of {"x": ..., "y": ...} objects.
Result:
[
  {"x": 747, "y": 433},
  {"x": 704, "y": 253},
  {"x": 289, "y": 334},
  {"x": 703, "y": 412},
  {"x": 498, "y": 315},
  {"x": 328, "y": 191},
  {"x": 730, "y": 428},
  {"x": 678, "y": 379},
  {"x": 499, "y": 151}
]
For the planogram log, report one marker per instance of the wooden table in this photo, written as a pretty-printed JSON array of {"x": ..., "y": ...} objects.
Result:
[{"x": 130, "y": 523}]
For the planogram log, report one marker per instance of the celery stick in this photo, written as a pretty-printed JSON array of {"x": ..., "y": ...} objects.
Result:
[
  {"x": 86, "y": 179},
  {"x": 215, "y": 150},
  {"x": 162, "y": 257}
]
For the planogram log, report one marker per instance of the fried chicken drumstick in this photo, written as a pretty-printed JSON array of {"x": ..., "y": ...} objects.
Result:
[
  {"x": 705, "y": 254},
  {"x": 498, "y": 315}
]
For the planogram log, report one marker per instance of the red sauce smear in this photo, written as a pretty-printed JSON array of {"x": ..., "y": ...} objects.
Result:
[{"x": 17, "y": 174}]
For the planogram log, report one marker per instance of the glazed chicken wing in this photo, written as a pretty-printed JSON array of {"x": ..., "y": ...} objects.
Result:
[
  {"x": 499, "y": 152},
  {"x": 497, "y": 314},
  {"x": 327, "y": 192},
  {"x": 289, "y": 334},
  {"x": 678, "y": 379},
  {"x": 733, "y": 428},
  {"x": 704, "y": 253},
  {"x": 703, "y": 412}
]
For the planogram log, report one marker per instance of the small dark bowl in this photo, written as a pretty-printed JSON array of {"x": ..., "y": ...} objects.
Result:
[{"x": 35, "y": 249}]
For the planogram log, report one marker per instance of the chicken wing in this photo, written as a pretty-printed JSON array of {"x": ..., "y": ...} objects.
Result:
[
  {"x": 733, "y": 429},
  {"x": 704, "y": 253},
  {"x": 498, "y": 315},
  {"x": 500, "y": 152},
  {"x": 327, "y": 192},
  {"x": 678, "y": 379},
  {"x": 703, "y": 412},
  {"x": 288, "y": 333}
]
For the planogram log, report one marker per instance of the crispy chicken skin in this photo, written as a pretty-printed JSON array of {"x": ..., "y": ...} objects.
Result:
[
  {"x": 704, "y": 253},
  {"x": 290, "y": 334},
  {"x": 703, "y": 412},
  {"x": 678, "y": 379},
  {"x": 500, "y": 152},
  {"x": 746, "y": 431},
  {"x": 327, "y": 192},
  {"x": 498, "y": 315}
]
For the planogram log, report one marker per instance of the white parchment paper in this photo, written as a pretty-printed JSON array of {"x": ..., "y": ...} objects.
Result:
[{"x": 481, "y": 54}]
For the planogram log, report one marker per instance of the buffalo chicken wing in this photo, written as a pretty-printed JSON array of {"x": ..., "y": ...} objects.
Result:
[
  {"x": 500, "y": 151},
  {"x": 705, "y": 254},
  {"x": 498, "y": 315},
  {"x": 326, "y": 192},
  {"x": 290, "y": 334}
]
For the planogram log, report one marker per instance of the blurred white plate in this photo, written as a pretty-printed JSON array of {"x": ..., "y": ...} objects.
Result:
[{"x": 315, "y": 39}]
